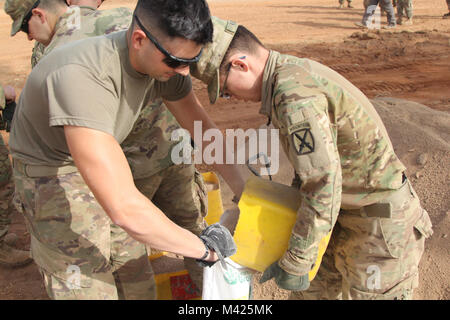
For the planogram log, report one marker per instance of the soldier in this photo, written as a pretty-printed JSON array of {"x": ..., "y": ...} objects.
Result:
[
  {"x": 9, "y": 257},
  {"x": 75, "y": 23},
  {"x": 94, "y": 91},
  {"x": 346, "y": 172},
  {"x": 370, "y": 8},
  {"x": 341, "y": 4},
  {"x": 404, "y": 8}
]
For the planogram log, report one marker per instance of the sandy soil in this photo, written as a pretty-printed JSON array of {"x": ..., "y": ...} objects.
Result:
[{"x": 407, "y": 63}]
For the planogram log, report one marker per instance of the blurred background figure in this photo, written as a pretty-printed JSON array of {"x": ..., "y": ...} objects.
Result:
[
  {"x": 341, "y": 4},
  {"x": 370, "y": 10},
  {"x": 447, "y": 15},
  {"x": 405, "y": 9}
]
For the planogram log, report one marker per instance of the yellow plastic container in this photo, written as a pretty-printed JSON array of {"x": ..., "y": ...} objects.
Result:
[
  {"x": 215, "y": 206},
  {"x": 268, "y": 211},
  {"x": 175, "y": 286}
]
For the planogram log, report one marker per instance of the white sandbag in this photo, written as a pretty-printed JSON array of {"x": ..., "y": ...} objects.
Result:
[{"x": 233, "y": 283}]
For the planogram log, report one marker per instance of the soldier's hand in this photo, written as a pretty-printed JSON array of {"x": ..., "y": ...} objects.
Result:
[
  {"x": 10, "y": 94},
  {"x": 284, "y": 279},
  {"x": 218, "y": 238}
]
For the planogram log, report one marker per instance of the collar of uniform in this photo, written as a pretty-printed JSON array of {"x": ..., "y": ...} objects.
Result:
[
  {"x": 267, "y": 85},
  {"x": 87, "y": 8},
  {"x": 122, "y": 44},
  {"x": 62, "y": 20}
]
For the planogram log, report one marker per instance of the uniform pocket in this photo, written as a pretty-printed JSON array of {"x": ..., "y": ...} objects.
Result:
[
  {"x": 423, "y": 226},
  {"x": 401, "y": 291}
]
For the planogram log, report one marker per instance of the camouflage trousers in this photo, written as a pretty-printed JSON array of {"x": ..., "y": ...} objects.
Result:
[
  {"x": 386, "y": 5},
  {"x": 448, "y": 5},
  {"x": 181, "y": 194},
  {"x": 6, "y": 189},
  {"x": 80, "y": 252},
  {"x": 374, "y": 254},
  {"x": 178, "y": 190},
  {"x": 342, "y": 1},
  {"x": 404, "y": 8}
]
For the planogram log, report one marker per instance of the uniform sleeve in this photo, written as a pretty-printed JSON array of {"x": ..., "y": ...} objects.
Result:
[
  {"x": 2, "y": 98},
  {"x": 310, "y": 140},
  {"x": 77, "y": 97}
]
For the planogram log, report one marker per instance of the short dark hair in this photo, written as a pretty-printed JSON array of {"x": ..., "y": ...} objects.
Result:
[
  {"x": 188, "y": 19},
  {"x": 52, "y": 5},
  {"x": 245, "y": 41}
]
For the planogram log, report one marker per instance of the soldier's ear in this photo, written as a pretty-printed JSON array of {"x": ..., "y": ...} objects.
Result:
[
  {"x": 240, "y": 62},
  {"x": 40, "y": 14},
  {"x": 137, "y": 39}
]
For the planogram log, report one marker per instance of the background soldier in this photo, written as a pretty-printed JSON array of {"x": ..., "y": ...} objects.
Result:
[
  {"x": 370, "y": 10},
  {"x": 349, "y": 4},
  {"x": 346, "y": 172},
  {"x": 9, "y": 257},
  {"x": 404, "y": 8}
]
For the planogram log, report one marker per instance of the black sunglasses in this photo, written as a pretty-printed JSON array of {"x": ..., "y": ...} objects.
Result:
[
  {"x": 222, "y": 93},
  {"x": 170, "y": 60},
  {"x": 24, "y": 26}
]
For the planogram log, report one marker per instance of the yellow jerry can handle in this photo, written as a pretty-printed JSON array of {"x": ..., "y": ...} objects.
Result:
[
  {"x": 268, "y": 212},
  {"x": 215, "y": 206}
]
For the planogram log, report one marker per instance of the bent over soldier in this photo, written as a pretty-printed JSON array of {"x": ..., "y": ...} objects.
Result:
[{"x": 349, "y": 179}]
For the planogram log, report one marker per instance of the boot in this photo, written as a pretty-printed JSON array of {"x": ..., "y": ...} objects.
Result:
[
  {"x": 361, "y": 25},
  {"x": 389, "y": 26},
  {"x": 446, "y": 16},
  {"x": 12, "y": 258},
  {"x": 341, "y": 6},
  {"x": 408, "y": 22},
  {"x": 399, "y": 20},
  {"x": 350, "y": 5}
]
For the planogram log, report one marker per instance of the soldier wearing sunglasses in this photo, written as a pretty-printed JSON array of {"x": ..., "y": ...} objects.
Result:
[{"x": 77, "y": 106}]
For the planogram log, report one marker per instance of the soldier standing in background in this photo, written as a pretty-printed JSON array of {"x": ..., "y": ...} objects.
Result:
[
  {"x": 370, "y": 10},
  {"x": 348, "y": 175},
  {"x": 9, "y": 257},
  {"x": 404, "y": 8},
  {"x": 85, "y": 5},
  {"x": 341, "y": 4}
]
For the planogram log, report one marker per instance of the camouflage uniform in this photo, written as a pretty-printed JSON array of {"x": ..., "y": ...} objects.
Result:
[
  {"x": 147, "y": 149},
  {"x": 6, "y": 187},
  {"x": 347, "y": 172},
  {"x": 404, "y": 8},
  {"x": 9, "y": 256},
  {"x": 386, "y": 5},
  {"x": 341, "y": 3}
]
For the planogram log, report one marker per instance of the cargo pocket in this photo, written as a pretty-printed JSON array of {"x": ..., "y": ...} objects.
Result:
[
  {"x": 423, "y": 226},
  {"x": 401, "y": 291},
  {"x": 395, "y": 235},
  {"x": 59, "y": 270}
]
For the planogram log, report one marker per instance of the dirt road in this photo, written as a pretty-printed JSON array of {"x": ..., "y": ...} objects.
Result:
[{"x": 408, "y": 62}]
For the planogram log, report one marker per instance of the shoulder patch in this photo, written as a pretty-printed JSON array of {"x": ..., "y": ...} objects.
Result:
[{"x": 302, "y": 138}]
